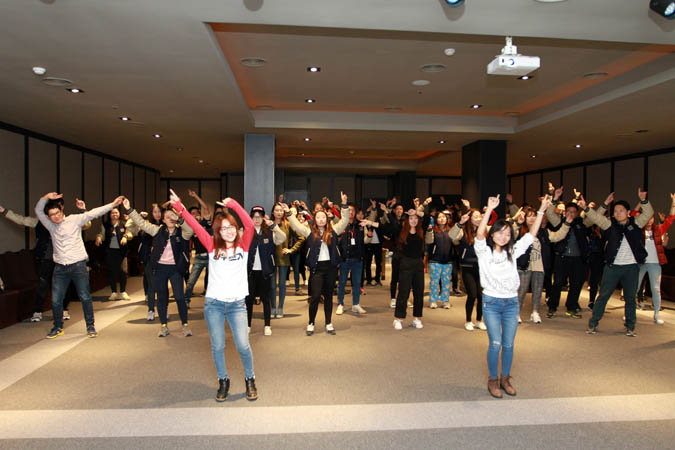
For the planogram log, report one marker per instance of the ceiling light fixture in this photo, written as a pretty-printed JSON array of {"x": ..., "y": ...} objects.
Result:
[
  {"x": 264, "y": 107},
  {"x": 75, "y": 90},
  {"x": 534, "y": 156},
  {"x": 512, "y": 114},
  {"x": 308, "y": 139},
  {"x": 526, "y": 77},
  {"x": 454, "y": 3},
  {"x": 665, "y": 8},
  {"x": 157, "y": 135},
  {"x": 170, "y": 170},
  {"x": 201, "y": 161},
  {"x": 351, "y": 152},
  {"x": 578, "y": 146},
  {"x": 253, "y": 62},
  {"x": 180, "y": 149},
  {"x": 125, "y": 119},
  {"x": 421, "y": 83},
  {"x": 58, "y": 82},
  {"x": 476, "y": 106},
  {"x": 441, "y": 141},
  {"x": 314, "y": 69},
  {"x": 39, "y": 70},
  {"x": 310, "y": 100},
  {"x": 433, "y": 68},
  {"x": 449, "y": 51}
]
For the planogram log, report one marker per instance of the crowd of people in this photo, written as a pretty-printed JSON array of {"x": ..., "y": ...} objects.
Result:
[{"x": 248, "y": 257}]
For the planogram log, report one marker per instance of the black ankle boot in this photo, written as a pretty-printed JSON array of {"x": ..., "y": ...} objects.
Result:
[
  {"x": 223, "y": 389},
  {"x": 251, "y": 391}
]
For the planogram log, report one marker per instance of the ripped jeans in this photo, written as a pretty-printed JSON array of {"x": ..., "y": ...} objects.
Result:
[{"x": 501, "y": 318}]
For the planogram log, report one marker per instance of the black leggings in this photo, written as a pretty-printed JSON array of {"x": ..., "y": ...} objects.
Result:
[
  {"x": 395, "y": 268},
  {"x": 259, "y": 286},
  {"x": 321, "y": 283},
  {"x": 113, "y": 260},
  {"x": 474, "y": 291},
  {"x": 411, "y": 278}
]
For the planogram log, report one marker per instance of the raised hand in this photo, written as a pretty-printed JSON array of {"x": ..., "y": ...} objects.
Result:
[
  {"x": 285, "y": 207},
  {"x": 126, "y": 204},
  {"x": 576, "y": 193},
  {"x": 609, "y": 199},
  {"x": 117, "y": 202},
  {"x": 2, "y": 209},
  {"x": 144, "y": 214},
  {"x": 53, "y": 196},
  {"x": 464, "y": 219},
  {"x": 545, "y": 203},
  {"x": 466, "y": 203},
  {"x": 493, "y": 202},
  {"x": 192, "y": 193},
  {"x": 98, "y": 241},
  {"x": 174, "y": 198},
  {"x": 373, "y": 203},
  {"x": 79, "y": 204},
  {"x": 427, "y": 201},
  {"x": 672, "y": 196},
  {"x": 551, "y": 188},
  {"x": 581, "y": 203},
  {"x": 344, "y": 198},
  {"x": 642, "y": 194},
  {"x": 416, "y": 202},
  {"x": 558, "y": 193},
  {"x": 270, "y": 223}
]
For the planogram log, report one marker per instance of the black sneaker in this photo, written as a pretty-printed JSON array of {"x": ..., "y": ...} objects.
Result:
[
  {"x": 55, "y": 332},
  {"x": 577, "y": 310},
  {"x": 630, "y": 333},
  {"x": 551, "y": 313},
  {"x": 379, "y": 283},
  {"x": 251, "y": 391},
  {"x": 223, "y": 389},
  {"x": 91, "y": 332},
  {"x": 591, "y": 330},
  {"x": 574, "y": 314}
]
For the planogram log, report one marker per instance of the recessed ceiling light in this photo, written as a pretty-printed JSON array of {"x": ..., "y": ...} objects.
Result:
[
  {"x": 512, "y": 114},
  {"x": 578, "y": 146},
  {"x": 314, "y": 69},
  {"x": 253, "y": 62},
  {"x": 433, "y": 68},
  {"x": 75, "y": 90},
  {"x": 534, "y": 156},
  {"x": 441, "y": 141},
  {"x": 351, "y": 152},
  {"x": 135, "y": 123},
  {"x": 476, "y": 106},
  {"x": 449, "y": 51},
  {"x": 421, "y": 83},
  {"x": 265, "y": 107},
  {"x": 39, "y": 70},
  {"x": 526, "y": 77},
  {"x": 302, "y": 154},
  {"x": 58, "y": 82},
  {"x": 170, "y": 170},
  {"x": 201, "y": 161},
  {"x": 595, "y": 75},
  {"x": 308, "y": 139},
  {"x": 310, "y": 100},
  {"x": 157, "y": 135},
  {"x": 125, "y": 118}
]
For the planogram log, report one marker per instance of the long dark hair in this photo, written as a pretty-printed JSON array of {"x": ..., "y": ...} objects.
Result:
[
  {"x": 437, "y": 228},
  {"x": 469, "y": 230},
  {"x": 499, "y": 225},
  {"x": 218, "y": 241},
  {"x": 327, "y": 233},
  {"x": 405, "y": 231},
  {"x": 524, "y": 228}
]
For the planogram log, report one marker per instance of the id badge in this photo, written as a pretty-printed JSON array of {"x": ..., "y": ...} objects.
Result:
[
  {"x": 353, "y": 241},
  {"x": 266, "y": 241}
]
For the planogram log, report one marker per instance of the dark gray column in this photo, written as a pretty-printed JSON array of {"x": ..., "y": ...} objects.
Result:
[
  {"x": 484, "y": 173},
  {"x": 405, "y": 186},
  {"x": 259, "y": 171}
]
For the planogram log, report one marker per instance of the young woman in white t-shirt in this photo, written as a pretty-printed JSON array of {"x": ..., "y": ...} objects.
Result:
[
  {"x": 497, "y": 255},
  {"x": 227, "y": 289}
]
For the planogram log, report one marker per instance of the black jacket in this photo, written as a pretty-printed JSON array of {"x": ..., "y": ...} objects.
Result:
[
  {"x": 580, "y": 233},
  {"x": 632, "y": 233},
  {"x": 180, "y": 247},
  {"x": 353, "y": 230},
  {"x": 314, "y": 247},
  {"x": 263, "y": 243}
]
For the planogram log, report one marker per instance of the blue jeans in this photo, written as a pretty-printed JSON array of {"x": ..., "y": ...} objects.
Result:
[
  {"x": 215, "y": 313},
  {"x": 281, "y": 276},
  {"x": 200, "y": 263},
  {"x": 501, "y": 318},
  {"x": 355, "y": 265},
  {"x": 654, "y": 271},
  {"x": 63, "y": 275}
]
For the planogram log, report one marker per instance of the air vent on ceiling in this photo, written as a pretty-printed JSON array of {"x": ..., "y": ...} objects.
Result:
[
  {"x": 595, "y": 75},
  {"x": 253, "y": 62},
  {"x": 58, "y": 82},
  {"x": 433, "y": 68}
]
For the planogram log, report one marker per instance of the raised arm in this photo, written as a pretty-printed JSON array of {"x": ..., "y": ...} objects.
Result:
[
  {"x": 669, "y": 220},
  {"x": 206, "y": 212},
  {"x": 30, "y": 222},
  {"x": 493, "y": 202},
  {"x": 278, "y": 235},
  {"x": 40, "y": 207},
  {"x": 646, "y": 209},
  {"x": 204, "y": 237},
  {"x": 559, "y": 234},
  {"x": 545, "y": 203},
  {"x": 97, "y": 212},
  {"x": 340, "y": 227},
  {"x": 140, "y": 222},
  {"x": 593, "y": 217}
]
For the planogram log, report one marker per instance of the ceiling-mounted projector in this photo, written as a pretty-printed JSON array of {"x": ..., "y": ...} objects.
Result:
[{"x": 512, "y": 63}]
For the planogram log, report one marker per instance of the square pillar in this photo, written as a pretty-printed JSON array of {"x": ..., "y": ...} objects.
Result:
[
  {"x": 258, "y": 171},
  {"x": 484, "y": 173}
]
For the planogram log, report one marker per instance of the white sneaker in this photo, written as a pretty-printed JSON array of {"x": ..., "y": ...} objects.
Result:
[
  {"x": 446, "y": 305},
  {"x": 36, "y": 317},
  {"x": 113, "y": 296},
  {"x": 306, "y": 281},
  {"x": 66, "y": 315},
  {"x": 392, "y": 304},
  {"x": 433, "y": 305},
  {"x": 410, "y": 305},
  {"x": 330, "y": 329},
  {"x": 469, "y": 326},
  {"x": 249, "y": 330},
  {"x": 397, "y": 324},
  {"x": 482, "y": 326},
  {"x": 358, "y": 309},
  {"x": 151, "y": 316},
  {"x": 310, "y": 329},
  {"x": 658, "y": 321},
  {"x": 268, "y": 331},
  {"x": 125, "y": 296},
  {"x": 519, "y": 319},
  {"x": 534, "y": 317},
  {"x": 340, "y": 310},
  {"x": 417, "y": 323}
]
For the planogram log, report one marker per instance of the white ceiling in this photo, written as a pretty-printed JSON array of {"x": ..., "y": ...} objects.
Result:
[{"x": 159, "y": 62}]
